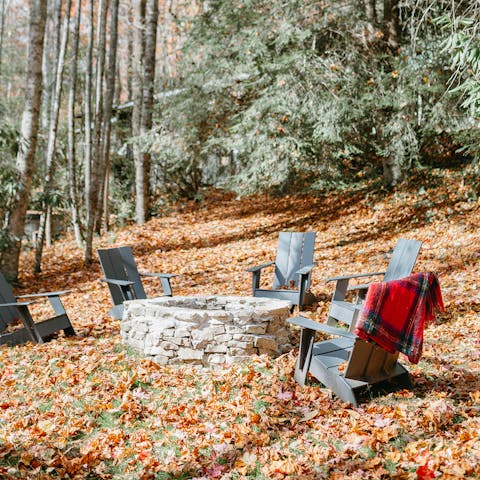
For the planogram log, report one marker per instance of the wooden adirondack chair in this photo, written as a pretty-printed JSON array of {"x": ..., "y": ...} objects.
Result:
[
  {"x": 351, "y": 367},
  {"x": 12, "y": 311},
  {"x": 401, "y": 265},
  {"x": 123, "y": 278},
  {"x": 293, "y": 267}
]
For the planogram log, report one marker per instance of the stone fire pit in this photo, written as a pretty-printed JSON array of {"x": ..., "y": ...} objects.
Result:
[{"x": 206, "y": 330}]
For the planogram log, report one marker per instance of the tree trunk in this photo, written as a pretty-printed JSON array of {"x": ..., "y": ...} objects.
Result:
[
  {"x": 98, "y": 166},
  {"x": 130, "y": 43},
  {"x": 110, "y": 78},
  {"x": 392, "y": 172},
  {"x": 391, "y": 25},
  {"x": 88, "y": 137},
  {"x": 71, "y": 150},
  {"x": 28, "y": 137},
  {"x": 137, "y": 95},
  {"x": 371, "y": 13},
  {"x": 151, "y": 25},
  {"x": 143, "y": 78},
  {"x": 2, "y": 29},
  {"x": 52, "y": 137},
  {"x": 50, "y": 55}
]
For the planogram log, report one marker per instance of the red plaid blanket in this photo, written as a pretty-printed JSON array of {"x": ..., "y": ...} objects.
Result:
[{"x": 395, "y": 313}]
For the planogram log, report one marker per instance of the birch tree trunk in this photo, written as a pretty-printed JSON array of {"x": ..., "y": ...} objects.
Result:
[
  {"x": 71, "y": 149},
  {"x": 137, "y": 95},
  {"x": 52, "y": 136},
  {"x": 96, "y": 166},
  {"x": 2, "y": 30},
  {"x": 28, "y": 137},
  {"x": 130, "y": 42},
  {"x": 50, "y": 48},
  {"x": 88, "y": 135}
]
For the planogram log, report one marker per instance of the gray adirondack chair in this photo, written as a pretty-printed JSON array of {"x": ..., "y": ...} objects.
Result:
[
  {"x": 401, "y": 264},
  {"x": 12, "y": 311},
  {"x": 293, "y": 267},
  {"x": 123, "y": 278},
  {"x": 369, "y": 370}
]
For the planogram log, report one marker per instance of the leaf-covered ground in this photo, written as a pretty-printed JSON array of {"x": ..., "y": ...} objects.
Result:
[{"x": 86, "y": 407}]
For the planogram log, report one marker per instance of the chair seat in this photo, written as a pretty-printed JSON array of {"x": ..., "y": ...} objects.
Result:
[{"x": 290, "y": 295}]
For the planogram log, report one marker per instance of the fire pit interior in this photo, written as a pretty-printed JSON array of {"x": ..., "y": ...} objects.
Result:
[{"x": 206, "y": 330}]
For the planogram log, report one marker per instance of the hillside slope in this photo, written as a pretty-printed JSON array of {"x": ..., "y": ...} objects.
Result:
[{"x": 88, "y": 408}]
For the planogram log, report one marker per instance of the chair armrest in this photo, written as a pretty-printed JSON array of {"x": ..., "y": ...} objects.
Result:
[
  {"x": 363, "y": 286},
  {"x": 355, "y": 275},
  {"x": 44, "y": 294},
  {"x": 320, "y": 327},
  {"x": 162, "y": 275},
  {"x": 305, "y": 270},
  {"x": 259, "y": 267},
  {"x": 120, "y": 283},
  {"x": 15, "y": 304}
]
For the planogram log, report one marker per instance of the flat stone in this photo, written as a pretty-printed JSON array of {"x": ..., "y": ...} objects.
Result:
[
  {"x": 236, "y": 351},
  {"x": 243, "y": 337},
  {"x": 169, "y": 345},
  {"x": 225, "y": 337},
  {"x": 238, "y": 344},
  {"x": 182, "y": 332},
  {"x": 266, "y": 343},
  {"x": 256, "y": 329},
  {"x": 215, "y": 348},
  {"x": 233, "y": 329},
  {"x": 161, "y": 324},
  {"x": 158, "y": 351},
  {"x": 190, "y": 354},
  {"x": 217, "y": 359},
  {"x": 161, "y": 359}
]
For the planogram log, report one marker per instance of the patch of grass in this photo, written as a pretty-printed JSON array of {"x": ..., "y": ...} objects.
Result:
[
  {"x": 259, "y": 406},
  {"x": 390, "y": 466},
  {"x": 367, "y": 452},
  {"x": 45, "y": 407},
  {"x": 108, "y": 419}
]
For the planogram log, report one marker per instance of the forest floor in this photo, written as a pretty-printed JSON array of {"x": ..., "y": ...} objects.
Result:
[{"x": 87, "y": 407}]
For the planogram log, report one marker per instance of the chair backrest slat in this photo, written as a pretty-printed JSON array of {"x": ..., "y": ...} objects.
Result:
[
  {"x": 118, "y": 264},
  {"x": 8, "y": 314},
  {"x": 403, "y": 259},
  {"x": 294, "y": 251},
  {"x": 132, "y": 271}
]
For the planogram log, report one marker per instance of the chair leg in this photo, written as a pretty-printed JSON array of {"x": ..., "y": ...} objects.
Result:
[
  {"x": 29, "y": 324},
  {"x": 59, "y": 309},
  {"x": 167, "y": 288},
  {"x": 255, "y": 281},
  {"x": 302, "y": 288},
  {"x": 304, "y": 355}
]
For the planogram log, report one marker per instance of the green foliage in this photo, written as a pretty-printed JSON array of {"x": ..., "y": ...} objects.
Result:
[
  {"x": 7, "y": 190},
  {"x": 303, "y": 95},
  {"x": 8, "y": 150}
]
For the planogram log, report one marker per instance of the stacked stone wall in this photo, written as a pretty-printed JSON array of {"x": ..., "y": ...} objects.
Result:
[{"x": 208, "y": 330}]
